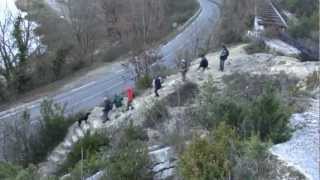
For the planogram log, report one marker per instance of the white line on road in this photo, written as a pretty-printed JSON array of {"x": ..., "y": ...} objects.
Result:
[
  {"x": 84, "y": 86},
  {"x": 96, "y": 95}
]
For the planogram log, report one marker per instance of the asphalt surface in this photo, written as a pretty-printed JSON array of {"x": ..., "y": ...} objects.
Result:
[{"x": 89, "y": 94}]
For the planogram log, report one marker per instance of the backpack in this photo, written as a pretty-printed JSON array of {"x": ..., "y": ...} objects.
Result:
[
  {"x": 204, "y": 62},
  {"x": 157, "y": 83}
]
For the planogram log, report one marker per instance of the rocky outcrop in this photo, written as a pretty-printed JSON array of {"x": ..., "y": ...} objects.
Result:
[
  {"x": 302, "y": 150},
  {"x": 163, "y": 158},
  {"x": 164, "y": 162},
  {"x": 59, "y": 155}
]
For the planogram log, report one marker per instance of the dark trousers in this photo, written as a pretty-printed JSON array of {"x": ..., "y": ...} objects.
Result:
[
  {"x": 129, "y": 105},
  {"x": 183, "y": 74},
  {"x": 156, "y": 92},
  {"x": 106, "y": 115},
  {"x": 222, "y": 64}
]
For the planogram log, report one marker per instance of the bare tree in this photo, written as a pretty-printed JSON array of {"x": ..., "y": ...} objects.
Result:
[
  {"x": 17, "y": 43},
  {"x": 135, "y": 22},
  {"x": 84, "y": 23},
  {"x": 140, "y": 65}
]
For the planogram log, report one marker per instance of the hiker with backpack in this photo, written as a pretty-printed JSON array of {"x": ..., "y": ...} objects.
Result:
[
  {"x": 203, "y": 63},
  {"x": 130, "y": 96},
  {"x": 157, "y": 85},
  {"x": 107, "y": 107},
  {"x": 183, "y": 69},
  {"x": 117, "y": 100},
  {"x": 223, "y": 57}
]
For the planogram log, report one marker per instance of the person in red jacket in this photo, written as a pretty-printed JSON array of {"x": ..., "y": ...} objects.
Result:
[{"x": 130, "y": 95}]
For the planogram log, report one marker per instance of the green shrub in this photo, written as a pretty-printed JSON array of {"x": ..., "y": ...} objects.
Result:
[
  {"x": 129, "y": 158},
  {"x": 270, "y": 118},
  {"x": 180, "y": 11},
  {"x": 53, "y": 129},
  {"x": 132, "y": 133},
  {"x": 313, "y": 80},
  {"x": 301, "y": 8},
  {"x": 184, "y": 94},
  {"x": 223, "y": 155},
  {"x": 114, "y": 53},
  {"x": 263, "y": 114},
  {"x": 144, "y": 82},
  {"x": 88, "y": 167},
  {"x": 161, "y": 70},
  {"x": 209, "y": 159},
  {"x": 129, "y": 162},
  {"x": 256, "y": 47},
  {"x": 156, "y": 114},
  {"x": 12, "y": 172},
  {"x": 253, "y": 160},
  {"x": 90, "y": 145}
]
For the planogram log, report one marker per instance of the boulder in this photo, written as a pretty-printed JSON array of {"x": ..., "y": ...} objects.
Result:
[{"x": 164, "y": 163}]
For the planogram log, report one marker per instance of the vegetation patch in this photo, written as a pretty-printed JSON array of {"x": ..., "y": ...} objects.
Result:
[
  {"x": 129, "y": 157},
  {"x": 88, "y": 149},
  {"x": 156, "y": 114},
  {"x": 184, "y": 94},
  {"x": 256, "y": 47},
  {"x": 29, "y": 142},
  {"x": 264, "y": 113}
]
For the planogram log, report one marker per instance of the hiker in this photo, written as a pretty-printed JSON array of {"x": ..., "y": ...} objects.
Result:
[
  {"x": 157, "y": 85},
  {"x": 130, "y": 96},
  {"x": 107, "y": 108},
  {"x": 117, "y": 101},
  {"x": 84, "y": 118},
  {"x": 223, "y": 57},
  {"x": 203, "y": 63},
  {"x": 183, "y": 69}
]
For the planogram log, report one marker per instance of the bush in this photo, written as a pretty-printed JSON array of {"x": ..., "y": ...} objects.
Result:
[
  {"x": 181, "y": 10},
  {"x": 256, "y": 47},
  {"x": 132, "y": 133},
  {"x": 87, "y": 167},
  {"x": 91, "y": 146},
  {"x": 129, "y": 158},
  {"x": 263, "y": 114},
  {"x": 161, "y": 70},
  {"x": 270, "y": 118},
  {"x": 184, "y": 94},
  {"x": 53, "y": 129},
  {"x": 253, "y": 161},
  {"x": 144, "y": 82},
  {"x": 156, "y": 114},
  {"x": 129, "y": 162},
  {"x": 205, "y": 159},
  {"x": 306, "y": 7},
  {"x": 230, "y": 12},
  {"x": 222, "y": 155},
  {"x": 313, "y": 80},
  {"x": 12, "y": 172},
  {"x": 114, "y": 53}
]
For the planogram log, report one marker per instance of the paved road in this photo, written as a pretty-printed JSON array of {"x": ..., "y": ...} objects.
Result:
[{"x": 89, "y": 94}]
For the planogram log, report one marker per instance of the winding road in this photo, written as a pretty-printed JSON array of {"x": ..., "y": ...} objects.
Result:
[{"x": 89, "y": 92}]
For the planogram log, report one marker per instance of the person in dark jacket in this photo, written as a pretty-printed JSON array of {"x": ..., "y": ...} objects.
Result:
[
  {"x": 108, "y": 105},
  {"x": 157, "y": 85},
  {"x": 184, "y": 69},
  {"x": 203, "y": 63},
  {"x": 223, "y": 57},
  {"x": 117, "y": 100}
]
